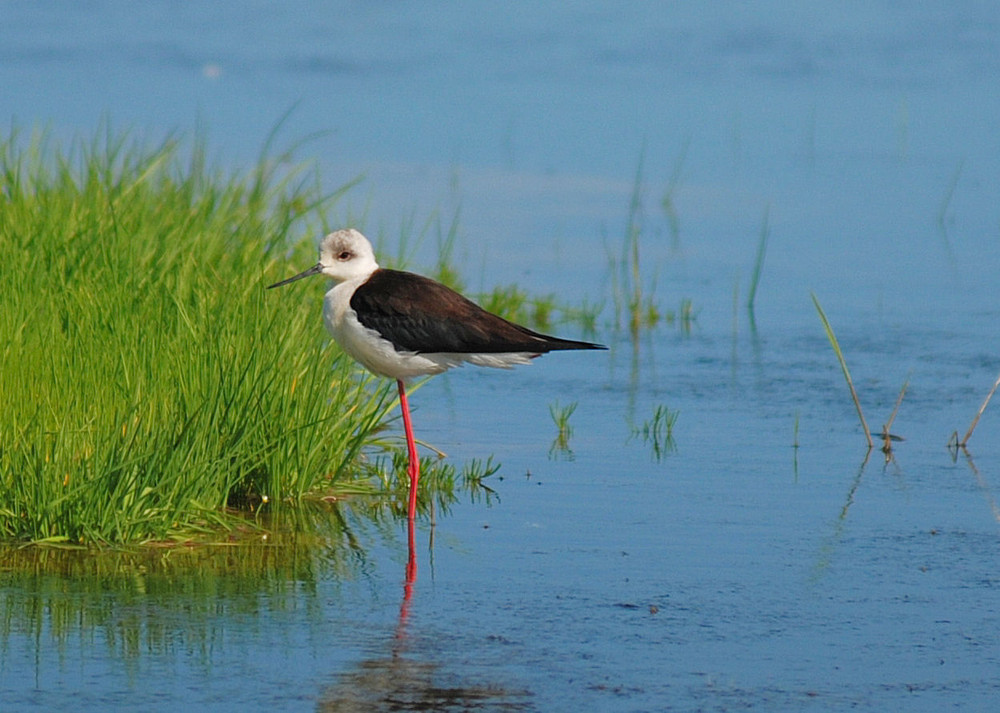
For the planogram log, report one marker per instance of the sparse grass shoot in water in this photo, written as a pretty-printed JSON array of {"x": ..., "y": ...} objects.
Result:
[
  {"x": 886, "y": 435},
  {"x": 626, "y": 272},
  {"x": 445, "y": 271},
  {"x": 843, "y": 366},
  {"x": 633, "y": 230},
  {"x": 632, "y": 296},
  {"x": 684, "y": 316},
  {"x": 560, "y": 416},
  {"x": 658, "y": 431},
  {"x": 758, "y": 265},
  {"x": 473, "y": 475},
  {"x": 668, "y": 203},
  {"x": 949, "y": 193},
  {"x": 975, "y": 421},
  {"x": 440, "y": 483}
]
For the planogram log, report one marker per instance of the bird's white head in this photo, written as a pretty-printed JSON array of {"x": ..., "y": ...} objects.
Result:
[
  {"x": 343, "y": 255},
  {"x": 346, "y": 254}
]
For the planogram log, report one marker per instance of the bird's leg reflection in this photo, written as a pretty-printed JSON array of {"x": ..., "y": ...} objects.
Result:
[
  {"x": 411, "y": 560},
  {"x": 411, "y": 680},
  {"x": 411, "y": 579}
]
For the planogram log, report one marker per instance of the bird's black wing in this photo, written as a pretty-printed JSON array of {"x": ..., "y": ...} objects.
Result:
[{"x": 420, "y": 315}]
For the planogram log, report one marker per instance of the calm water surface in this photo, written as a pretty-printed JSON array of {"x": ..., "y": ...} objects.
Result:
[{"x": 726, "y": 570}]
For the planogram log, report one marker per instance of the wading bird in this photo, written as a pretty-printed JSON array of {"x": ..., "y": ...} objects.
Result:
[{"x": 401, "y": 325}]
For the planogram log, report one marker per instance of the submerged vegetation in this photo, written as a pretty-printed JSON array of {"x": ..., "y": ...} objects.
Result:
[{"x": 148, "y": 384}]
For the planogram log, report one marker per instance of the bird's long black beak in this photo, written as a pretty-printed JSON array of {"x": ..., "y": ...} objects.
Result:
[{"x": 315, "y": 269}]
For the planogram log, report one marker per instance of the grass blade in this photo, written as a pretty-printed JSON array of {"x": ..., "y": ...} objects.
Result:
[
  {"x": 843, "y": 366},
  {"x": 887, "y": 437},
  {"x": 982, "y": 408},
  {"x": 758, "y": 266}
]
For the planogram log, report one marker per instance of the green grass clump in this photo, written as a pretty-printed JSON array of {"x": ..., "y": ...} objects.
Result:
[
  {"x": 658, "y": 432},
  {"x": 148, "y": 382},
  {"x": 560, "y": 417},
  {"x": 440, "y": 484}
]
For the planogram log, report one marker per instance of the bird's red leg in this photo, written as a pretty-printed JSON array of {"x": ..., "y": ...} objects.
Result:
[{"x": 411, "y": 448}]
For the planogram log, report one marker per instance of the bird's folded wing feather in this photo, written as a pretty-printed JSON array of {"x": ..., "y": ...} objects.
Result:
[{"x": 418, "y": 314}]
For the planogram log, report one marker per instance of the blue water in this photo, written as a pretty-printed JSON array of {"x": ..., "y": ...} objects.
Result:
[{"x": 732, "y": 571}]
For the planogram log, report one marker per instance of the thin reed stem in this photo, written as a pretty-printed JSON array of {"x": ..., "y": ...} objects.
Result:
[
  {"x": 758, "y": 265},
  {"x": 843, "y": 366},
  {"x": 982, "y": 408},
  {"x": 886, "y": 434}
]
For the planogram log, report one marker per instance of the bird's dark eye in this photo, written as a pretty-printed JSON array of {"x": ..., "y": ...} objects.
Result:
[{"x": 345, "y": 255}]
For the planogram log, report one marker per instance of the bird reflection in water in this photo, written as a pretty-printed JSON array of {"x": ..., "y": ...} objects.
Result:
[{"x": 401, "y": 681}]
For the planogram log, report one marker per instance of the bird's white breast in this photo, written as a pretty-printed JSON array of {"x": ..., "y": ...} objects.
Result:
[{"x": 367, "y": 346}]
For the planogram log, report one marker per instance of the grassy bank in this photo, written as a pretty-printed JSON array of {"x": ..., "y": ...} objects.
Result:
[{"x": 147, "y": 381}]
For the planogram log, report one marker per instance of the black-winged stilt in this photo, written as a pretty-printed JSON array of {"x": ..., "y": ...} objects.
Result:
[{"x": 402, "y": 325}]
